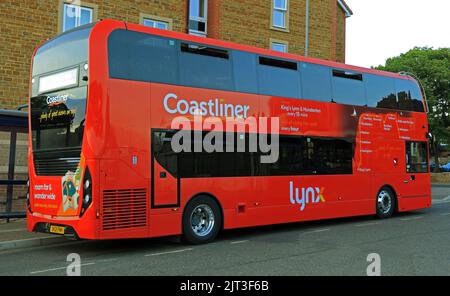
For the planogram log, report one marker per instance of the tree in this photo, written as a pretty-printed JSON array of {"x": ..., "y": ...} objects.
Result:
[{"x": 432, "y": 68}]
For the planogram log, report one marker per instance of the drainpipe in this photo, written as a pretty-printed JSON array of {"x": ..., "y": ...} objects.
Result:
[{"x": 307, "y": 29}]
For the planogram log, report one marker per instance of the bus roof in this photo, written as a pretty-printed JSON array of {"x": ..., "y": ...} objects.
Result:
[{"x": 115, "y": 24}]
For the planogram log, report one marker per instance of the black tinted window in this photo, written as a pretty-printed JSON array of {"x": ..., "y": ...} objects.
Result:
[
  {"x": 244, "y": 71},
  {"x": 205, "y": 67},
  {"x": 278, "y": 78},
  {"x": 348, "y": 88},
  {"x": 162, "y": 150},
  {"x": 297, "y": 156},
  {"x": 316, "y": 82},
  {"x": 142, "y": 57},
  {"x": 380, "y": 91},
  {"x": 409, "y": 97},
  {"x": 416, "y": 157},
  {"x": 311, "y": 156},
  {"x": 217, "y": 164},
  {"x": 60, "y": 124}
]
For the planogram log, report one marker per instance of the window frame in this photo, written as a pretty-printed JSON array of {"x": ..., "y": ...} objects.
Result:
[
  {"x": 266, "y": 64},
  {"x": 143, "y": 17},
  {"x": 400, "y": 85},
  {"x": 319, "y": 70},
  {"x": 116, "y": 49},
  {"x": 373, "y": 82},
  {"x": 279, "y": 42},
  {"x": 198, "y": 19},
  {"x": 80, "y": 5},
  {"x": 285, "y": 11},
  {"x": 409, "y": 165},
  {"x": 187, "y": 49},
  {"x": 338, "y": 158},
  {"x": 341, "y": 76}
]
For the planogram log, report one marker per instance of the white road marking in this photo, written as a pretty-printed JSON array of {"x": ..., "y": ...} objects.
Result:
[
  {"x": 60, "y": 268},
  {"x": 239, "y": 242},
  {"x": 12, "y": 230},
  {"x": 108, "y": 260},
  {"x": 445, "y": 214},
  {"x": 169, "y": 252},
  {"x": 317, "y": 231},
  {"x": 367, "y": 224},
  {"x": 410, "y": 219},
  {"x": 442, "y": 200}
]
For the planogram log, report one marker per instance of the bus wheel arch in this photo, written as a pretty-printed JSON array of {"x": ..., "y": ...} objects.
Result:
[
  {"x": 386, "y": 202},
  {"x": 202, "y": 219}
]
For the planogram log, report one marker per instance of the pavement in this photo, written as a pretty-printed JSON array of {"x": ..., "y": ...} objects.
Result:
[
  {"x": 413, "y": 243},
  {"x": 14, "y": 235}
]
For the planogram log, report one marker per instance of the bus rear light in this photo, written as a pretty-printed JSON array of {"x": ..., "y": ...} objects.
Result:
[{"x": 87, "y": 192}]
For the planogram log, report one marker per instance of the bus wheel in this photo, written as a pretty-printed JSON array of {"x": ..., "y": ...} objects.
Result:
[
  {"x": 202, "y": 220},
  {"x": 386, "y": 203}
]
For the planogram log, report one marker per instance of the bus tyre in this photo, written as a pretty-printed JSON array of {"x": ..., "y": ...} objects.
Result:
[
  {"x": 385, "y": 203},
  {"x": 202, "y": 220}
]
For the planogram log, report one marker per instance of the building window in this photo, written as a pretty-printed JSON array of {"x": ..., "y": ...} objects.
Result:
[
  {"x": 279, "y": 46},
  {"x": 280, "y": 14},
  {"x": 157, "y": 22},
  {"x": 198, "y": 17},
  {"x": 75, "y": 16}
]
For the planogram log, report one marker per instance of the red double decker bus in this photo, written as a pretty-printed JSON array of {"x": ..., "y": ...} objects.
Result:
[{"x": 104, "y": 97}]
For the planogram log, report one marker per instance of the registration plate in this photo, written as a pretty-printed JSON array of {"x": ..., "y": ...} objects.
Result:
[{"x": 57, "y": 229}]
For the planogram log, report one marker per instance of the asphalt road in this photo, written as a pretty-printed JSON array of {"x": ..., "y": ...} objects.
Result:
[{"x": 415, "y": 243}]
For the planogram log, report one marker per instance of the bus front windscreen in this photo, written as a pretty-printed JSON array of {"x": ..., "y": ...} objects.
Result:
[{"x": 59, "y": 92}]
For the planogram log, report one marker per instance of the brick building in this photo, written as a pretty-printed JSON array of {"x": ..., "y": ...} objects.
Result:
[{"x": 277, "y": 24}]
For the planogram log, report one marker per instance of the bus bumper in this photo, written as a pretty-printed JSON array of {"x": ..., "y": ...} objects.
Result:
[{"x": 73, "y": 227}]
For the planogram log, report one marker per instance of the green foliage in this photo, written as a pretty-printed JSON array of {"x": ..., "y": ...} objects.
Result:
[{"x": 432, "y": 68}]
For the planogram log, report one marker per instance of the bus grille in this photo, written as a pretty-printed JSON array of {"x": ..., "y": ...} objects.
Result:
[
  {"x": 124, "y": 209},
  {"x": 55, "y": 166}
]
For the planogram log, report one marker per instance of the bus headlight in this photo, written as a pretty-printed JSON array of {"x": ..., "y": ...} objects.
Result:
[{"x": 87, "y": 192}]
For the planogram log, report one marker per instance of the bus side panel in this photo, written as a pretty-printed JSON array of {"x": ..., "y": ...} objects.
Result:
[
  {"x": 124, "y": 201},
  {"x": 256, "y": 201},
  {"x": 125, "y": 165},
  {"x": 389, "y": 132},
  {"x": 416, "y": 192},
  {"x": 288, "y": 214},
  {"x": 413, "y": 203},
  {"x": 225, "y": 190},
  {"x": 165, "y": 222},
  {"x": 421, "y": 197},
  {"x": 318, "y": 197},
  {"x": 396, "y": 181}
]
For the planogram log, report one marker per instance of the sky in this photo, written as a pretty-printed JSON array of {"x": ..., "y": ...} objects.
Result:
[{"x": 380, "y": 29}]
